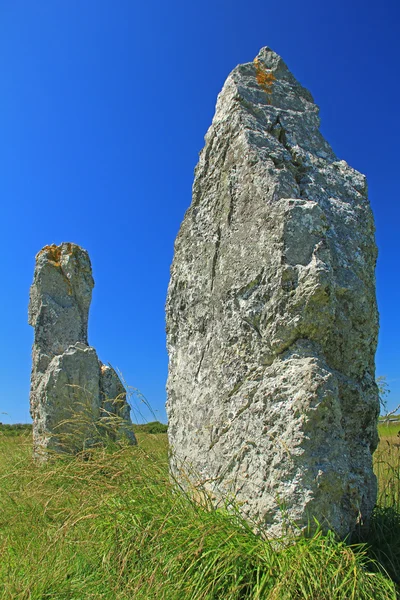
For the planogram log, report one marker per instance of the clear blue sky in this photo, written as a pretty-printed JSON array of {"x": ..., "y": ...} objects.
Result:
[{"x": 103, "y": 109}]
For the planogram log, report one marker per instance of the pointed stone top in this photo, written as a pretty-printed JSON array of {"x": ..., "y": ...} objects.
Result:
[
  {"x": 260, "y": 94},
  {"x": 268, "y": 81},
  {"x": 271, "y": 60}
]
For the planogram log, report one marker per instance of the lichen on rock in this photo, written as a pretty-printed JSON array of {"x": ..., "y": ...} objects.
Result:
[
  {"x": 271, "y": 315},
  {"x": 75, "y": 399}
]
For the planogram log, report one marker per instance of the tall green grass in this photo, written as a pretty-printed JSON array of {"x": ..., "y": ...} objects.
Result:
[
  {"x": 109, "y": 524},
  {"x": 383, "y": 535}
]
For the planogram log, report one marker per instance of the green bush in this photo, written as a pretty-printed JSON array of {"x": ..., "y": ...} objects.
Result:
[
  {"x": 152, "y": 427},
  {"x": 15, "y": 429}
]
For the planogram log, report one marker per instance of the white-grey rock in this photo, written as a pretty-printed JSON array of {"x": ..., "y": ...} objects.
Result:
[
  {"x": 115, "y": 410},
  {"x": 271, "y": 314},
  {"x": 75, "y": 399}
]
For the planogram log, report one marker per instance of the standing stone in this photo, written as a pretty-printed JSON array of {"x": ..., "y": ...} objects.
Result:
[
  {"x": 271, "y": 315},
  {"x": 75, "y": 399}
]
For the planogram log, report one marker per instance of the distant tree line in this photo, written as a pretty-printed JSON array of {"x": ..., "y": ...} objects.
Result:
[
  {"x": 18, "y": 428},
  {"x": 15, "y": 428},
  {"x": 152, "y": 427}
]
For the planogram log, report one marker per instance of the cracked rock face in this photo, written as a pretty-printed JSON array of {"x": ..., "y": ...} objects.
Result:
[
  {"x": 75, "y": 399},
  {"x": 271, "y": 315}
]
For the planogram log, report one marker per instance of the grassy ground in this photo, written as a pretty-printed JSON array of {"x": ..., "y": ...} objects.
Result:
[
  {"x": 387, "y": 465},
  {"x": 111, "y": 526}
]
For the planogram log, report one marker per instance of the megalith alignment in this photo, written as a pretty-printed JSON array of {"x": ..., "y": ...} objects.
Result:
[
  {"x": 75, "y": 399},
  {"x": 271, "y": 315}
]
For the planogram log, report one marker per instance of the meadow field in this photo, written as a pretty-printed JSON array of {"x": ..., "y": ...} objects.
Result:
[{"x": 110, "y": 525}]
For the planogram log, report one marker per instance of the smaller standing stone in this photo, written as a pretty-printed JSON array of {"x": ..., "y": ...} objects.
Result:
[{"x": 74, "y": 398}]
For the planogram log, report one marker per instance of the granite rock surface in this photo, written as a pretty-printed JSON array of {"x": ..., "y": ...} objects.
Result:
[
  {"x": 271, "y": 315},
  {"x": 75, "y": 399}
]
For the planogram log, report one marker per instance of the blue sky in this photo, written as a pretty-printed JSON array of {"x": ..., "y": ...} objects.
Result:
[{"x": 103, "y": 109}]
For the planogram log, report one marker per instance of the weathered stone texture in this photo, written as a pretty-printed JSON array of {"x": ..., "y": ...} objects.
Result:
[
  {"x": 271, "y": 314},
  {"x": 74, "y": 397}
]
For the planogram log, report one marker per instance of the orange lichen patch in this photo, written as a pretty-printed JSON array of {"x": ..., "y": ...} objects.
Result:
[
  {"x": 54, "y": 252},
  {"x": 265, "y": 79}
]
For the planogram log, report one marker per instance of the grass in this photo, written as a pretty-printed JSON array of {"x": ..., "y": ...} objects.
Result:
[
  {"x": 384, "y": 533},
  {"x": 110, "y": 525},
  {"x": 387, "y": 465}
]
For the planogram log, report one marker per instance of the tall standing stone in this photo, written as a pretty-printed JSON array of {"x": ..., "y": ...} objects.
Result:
[
  {"x": 271, "y": 314},
  {"x": 75, "y": 399}
]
